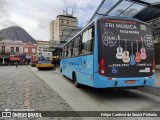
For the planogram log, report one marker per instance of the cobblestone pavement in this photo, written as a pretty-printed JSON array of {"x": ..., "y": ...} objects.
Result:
[{"x": 20, "y": 88}]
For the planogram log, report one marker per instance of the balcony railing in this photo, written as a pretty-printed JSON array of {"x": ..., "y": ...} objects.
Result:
[
  {"x": 10, "y": 53},
  {"x": 5, "y": 54}
]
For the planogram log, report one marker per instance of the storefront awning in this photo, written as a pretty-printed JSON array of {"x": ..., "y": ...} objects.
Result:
[{"x": 14, "y": 58}]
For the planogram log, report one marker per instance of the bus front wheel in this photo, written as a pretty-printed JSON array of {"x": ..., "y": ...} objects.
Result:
[{"x": 75, "y": 81}]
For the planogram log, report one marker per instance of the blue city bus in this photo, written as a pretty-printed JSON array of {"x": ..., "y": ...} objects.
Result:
[{"x": 110, "y": 52}]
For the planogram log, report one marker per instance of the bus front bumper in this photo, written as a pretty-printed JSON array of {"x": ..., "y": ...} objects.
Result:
[{"x": 44, "y": 65}]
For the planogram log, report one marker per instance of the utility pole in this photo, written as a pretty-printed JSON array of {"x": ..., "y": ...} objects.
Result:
[{"x": 3, "y": 49}]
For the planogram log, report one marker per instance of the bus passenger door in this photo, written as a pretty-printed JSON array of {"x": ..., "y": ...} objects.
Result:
[{"x": 86, "y": 57}]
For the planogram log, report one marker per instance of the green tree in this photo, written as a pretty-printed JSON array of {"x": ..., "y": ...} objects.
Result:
[{"x": 1, "y": 38}]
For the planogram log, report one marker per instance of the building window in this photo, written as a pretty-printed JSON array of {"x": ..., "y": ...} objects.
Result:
[
  {"x": 26, "y": 50},
  {"x": 76, "y": 46},
  {"x": 68, "y": 22},
  {"x": 17, "y": 49},
  {"x": 70, "y": 49},
  {"x": 12, "y": 49},
  {"x": 33, "y": 50},
  {"x": 3, "y": 49}
]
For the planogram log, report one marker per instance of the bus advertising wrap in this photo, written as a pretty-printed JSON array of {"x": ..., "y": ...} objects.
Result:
[
  {"x": 44, "y": 57},
  {"x": 127, "y": 48}
]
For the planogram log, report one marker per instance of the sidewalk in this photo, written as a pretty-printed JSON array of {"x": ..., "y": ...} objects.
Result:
[{"x": 153, "y": 90}]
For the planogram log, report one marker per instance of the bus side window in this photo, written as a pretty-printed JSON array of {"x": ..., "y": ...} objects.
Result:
[
  {"x": 70, "y": 49},
  {"x": 80, "y": 45},
  {"x": 87, "y": 41},
  {"x": 92, "y": 39},
  {"x": 66, "y": 52},
  {"x": 76, "y": 48}
]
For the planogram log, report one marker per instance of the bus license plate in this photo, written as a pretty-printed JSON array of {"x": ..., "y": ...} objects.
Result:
[{"x": 130, "y": 81}]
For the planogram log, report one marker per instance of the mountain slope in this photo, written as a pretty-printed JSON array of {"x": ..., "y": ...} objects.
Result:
[{"x": 17, "y": 34}]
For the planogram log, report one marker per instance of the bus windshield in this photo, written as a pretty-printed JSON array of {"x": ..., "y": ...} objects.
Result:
[{"x": 126, "y": 48}]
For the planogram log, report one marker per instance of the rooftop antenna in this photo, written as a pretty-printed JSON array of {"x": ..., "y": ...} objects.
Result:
[
  {"x": 72, "y": 11},
  {"x": 63, "y": 12},
  {"x": 66, "y": 12}
]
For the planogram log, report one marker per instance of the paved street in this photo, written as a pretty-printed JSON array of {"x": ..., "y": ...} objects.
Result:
[
  {"x": 26, "y": 87},
  {"x": 20, "y": 88},
  {"x": 90, "y": 99}
]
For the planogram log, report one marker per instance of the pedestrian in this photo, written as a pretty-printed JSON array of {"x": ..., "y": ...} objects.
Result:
[{"x": 16, "y": 64}]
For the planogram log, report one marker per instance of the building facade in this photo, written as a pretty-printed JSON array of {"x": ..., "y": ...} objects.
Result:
[
  {"x": 66, "y": 21},
  {"x": 42, "y": 45},
  {"x": 10, "y": 51},
  {"x": 51, "y": 30},
  {"x": 16, "y": 51},
  {"x": 29, "y": 50}
]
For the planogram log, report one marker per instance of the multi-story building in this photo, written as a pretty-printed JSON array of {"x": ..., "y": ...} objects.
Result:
[
  {"x": 66, "y": 21},
  {"x": 51, "y": 30},
  {"x": 10, "y": 50},
  {"x": 16, "y": 51},
  {"x": 42, "y": 45},
  {"x": 29, "y": 49}
]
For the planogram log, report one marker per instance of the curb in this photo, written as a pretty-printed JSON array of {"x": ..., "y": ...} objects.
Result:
[{"x": 151, "y": 90}]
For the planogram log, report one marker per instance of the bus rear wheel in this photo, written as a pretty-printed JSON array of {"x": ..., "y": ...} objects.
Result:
[{"x": 75, "y": 81}]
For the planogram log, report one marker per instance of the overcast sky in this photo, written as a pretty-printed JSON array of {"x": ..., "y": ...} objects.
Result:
[{"x": 35, "y": 15}]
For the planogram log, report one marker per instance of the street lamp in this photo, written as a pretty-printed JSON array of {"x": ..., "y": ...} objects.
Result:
[{"x": 3, "y": 52}]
